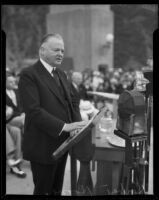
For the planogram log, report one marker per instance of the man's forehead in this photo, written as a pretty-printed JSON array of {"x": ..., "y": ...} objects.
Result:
[{"x": 54, "y": 41}]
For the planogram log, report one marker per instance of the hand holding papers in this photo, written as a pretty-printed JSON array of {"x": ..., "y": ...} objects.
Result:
[
  {"x": 72, "y": 127},
  {"x": 72, "y": 140}
]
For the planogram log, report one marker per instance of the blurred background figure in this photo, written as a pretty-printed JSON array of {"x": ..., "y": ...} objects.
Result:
[
  {"x": 150, "y": 62},
  {"x": 87, "y": 110},
  {"x": 14, "y": 125},
  {"x": 13, "y": 146},
  {"x": 78, "y": 86},
  {"x": 97, "y": 80},
  {"x": 12, "y": 100}
]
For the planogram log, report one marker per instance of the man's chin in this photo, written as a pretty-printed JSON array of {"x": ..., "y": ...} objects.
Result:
[{"x": 58, "y": 63}]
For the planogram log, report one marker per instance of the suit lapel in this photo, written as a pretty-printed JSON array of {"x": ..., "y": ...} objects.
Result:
[
  {"x": 49, "y": 81},
  {"x": 75, "y": 90},
  {"x": 17, "y": 97},
  {"x": 9, "y": 100}
]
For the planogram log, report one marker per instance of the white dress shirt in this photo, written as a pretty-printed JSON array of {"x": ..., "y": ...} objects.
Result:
[{"x": 48, "y": 67}]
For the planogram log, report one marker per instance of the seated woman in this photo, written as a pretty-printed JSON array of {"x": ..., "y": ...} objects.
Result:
[
  {"x": 13, "y": 146},
  {"x": 13, "y": 101}
]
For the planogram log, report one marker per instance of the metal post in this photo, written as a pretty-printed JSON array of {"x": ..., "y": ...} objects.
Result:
[{"x": 73, "y": 173}]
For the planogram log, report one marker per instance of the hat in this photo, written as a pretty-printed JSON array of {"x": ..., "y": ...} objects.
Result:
[{"x": 86, "y": 106}]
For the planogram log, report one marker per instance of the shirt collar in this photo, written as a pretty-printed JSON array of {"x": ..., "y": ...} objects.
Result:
[
  {"x": 48, "y": 67},
  {"x": 9, "y": 91}
]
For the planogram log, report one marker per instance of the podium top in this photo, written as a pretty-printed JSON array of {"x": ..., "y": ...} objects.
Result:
[{"x": 69, "y": 142}]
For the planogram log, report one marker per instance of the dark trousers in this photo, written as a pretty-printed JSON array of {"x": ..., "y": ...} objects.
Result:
[
  {"x": 84, "y": 182},
  {"x": 48, "y": 179}
]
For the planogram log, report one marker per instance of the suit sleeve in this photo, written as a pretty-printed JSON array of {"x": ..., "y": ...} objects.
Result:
[{"x": 30, "y": 101}]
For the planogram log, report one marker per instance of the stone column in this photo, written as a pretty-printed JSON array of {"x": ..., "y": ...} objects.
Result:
[{"x": 84, "y": 28}]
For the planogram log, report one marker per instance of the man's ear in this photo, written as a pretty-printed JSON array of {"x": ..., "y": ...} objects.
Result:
[{"x": 42, "y": 51}]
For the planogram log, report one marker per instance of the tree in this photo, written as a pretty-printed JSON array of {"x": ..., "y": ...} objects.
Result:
[
  {"x": 24, "y": 26},
  {"x": 134, "y": 26}
]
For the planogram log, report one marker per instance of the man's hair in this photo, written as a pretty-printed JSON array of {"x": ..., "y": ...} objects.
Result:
[
  {"x": 75, "y": 74},
  {"x": 50, "y": 35}
]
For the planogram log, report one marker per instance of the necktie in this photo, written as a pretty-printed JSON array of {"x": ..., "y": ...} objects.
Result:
[{"x": 56, "y": 77}]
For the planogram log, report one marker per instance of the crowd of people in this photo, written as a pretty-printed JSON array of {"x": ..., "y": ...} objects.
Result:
[{"x": 112, "y": 81}]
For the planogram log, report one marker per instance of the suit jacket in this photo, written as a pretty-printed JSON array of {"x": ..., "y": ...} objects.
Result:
[
  {"x": 76, "y": 94},
  {"x": 46, "y": 109},
  {"x": 83, "y": 92},
  {"x": 17, "y": 109}
]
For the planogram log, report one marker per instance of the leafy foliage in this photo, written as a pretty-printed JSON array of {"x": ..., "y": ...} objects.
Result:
[
  {"x": 134, "y": 26},
  {"x": 24, "y": 26}
]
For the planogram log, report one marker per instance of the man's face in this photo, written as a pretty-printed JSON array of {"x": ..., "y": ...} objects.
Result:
[
  {"x": 77, "y": 78},
  {"x": 53, "y": 51}
]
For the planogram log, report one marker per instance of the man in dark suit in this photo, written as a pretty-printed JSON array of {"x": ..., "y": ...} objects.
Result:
[
  {"x": 52, "y": 115},
  {"x": 78, "y": 86}
]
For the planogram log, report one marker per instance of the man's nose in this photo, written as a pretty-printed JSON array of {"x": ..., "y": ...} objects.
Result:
[{"x": 61, "y": 53}]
